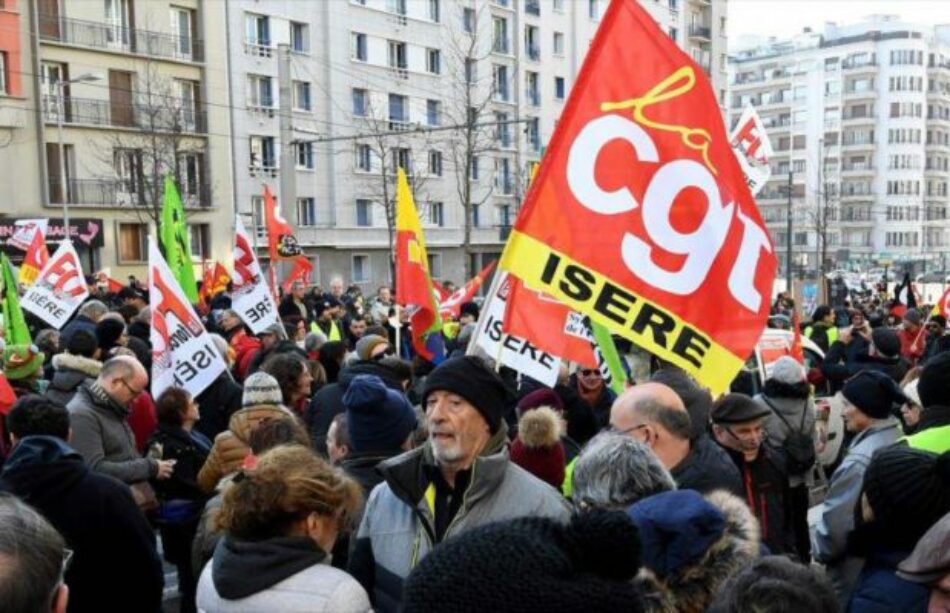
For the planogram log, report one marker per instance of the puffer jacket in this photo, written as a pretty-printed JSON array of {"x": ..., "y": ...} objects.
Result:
[
  {"x": 692, "y": 546},
  {"x": 398, "y": 525},
  {"x": 69, "y": 372},
  {"x": 232, "y": 446}
]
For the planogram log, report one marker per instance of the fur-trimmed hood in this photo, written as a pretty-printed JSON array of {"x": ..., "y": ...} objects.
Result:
[
  {"x": 540, "y": 428},
  {"x": 78, "y": 363},
  {"x": 695, "y": 548}
]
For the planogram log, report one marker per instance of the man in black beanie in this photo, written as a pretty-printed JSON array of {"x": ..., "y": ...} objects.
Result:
[
  {"x": 461, "y": 478},
  {"x": 883, "y": 355},
  {"x": 870, "y": 400}
]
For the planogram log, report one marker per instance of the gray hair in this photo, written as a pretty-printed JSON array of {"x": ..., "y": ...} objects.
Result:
[
  {"x": 93, "y": 309},
  {"x": 31, "y": 557},
  {"x": 313, "y": 341},
  {"x": 614, "y": 471}
]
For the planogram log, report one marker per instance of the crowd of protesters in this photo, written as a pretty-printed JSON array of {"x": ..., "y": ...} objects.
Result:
[{"x": 331, "y": 469}]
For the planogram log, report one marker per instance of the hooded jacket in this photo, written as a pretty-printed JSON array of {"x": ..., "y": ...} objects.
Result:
[
  {"x": 707, "y": 468},
  {"x": 327, "y": 403},
  {"x": 69, "y": 372},
  {"x": 287, "y": 574},
  {"x": 232, "y": 446},
  {"x": 115, "y": 563},
  {"x": 691, "y": 547},
  {"x": 795, "y": 408},
  {"x": 102, "y": 435},
  {"x": 830, "y": 537},
  {"x": 398, "y": 525}
]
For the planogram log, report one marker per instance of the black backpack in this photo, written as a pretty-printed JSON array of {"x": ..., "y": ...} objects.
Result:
[{"x": 798, "y": 446}]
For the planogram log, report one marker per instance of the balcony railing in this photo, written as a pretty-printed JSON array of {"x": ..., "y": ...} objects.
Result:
[
  {"x": 120, "y": 193},
  {"x": 856, "y": 65},
  {"x": 697, "y": 31},
  {"x": 119, "y": 38},
  {"x": 161, "y": 117}
]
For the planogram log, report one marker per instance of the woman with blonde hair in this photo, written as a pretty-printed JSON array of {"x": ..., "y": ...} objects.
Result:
[{"x": 281, "y": 519}]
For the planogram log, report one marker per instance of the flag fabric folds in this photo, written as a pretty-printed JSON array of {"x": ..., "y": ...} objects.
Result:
[
  {"x": 450, "y": 306},
  {"x": 36, "y": 257},
  {"x": 413, "y": 281},
  {"x": 15, "y": 331},
  {"x": 176, "y": 243}
]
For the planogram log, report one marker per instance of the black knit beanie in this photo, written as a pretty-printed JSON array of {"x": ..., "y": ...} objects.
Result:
[
  {"x": 532, "y": 565},
  {"x": 472, "y": 379},
  {"x": 908, "y": 490},
  {"x": 933, "y": 386},
  {"x": 873, "y": 393}
]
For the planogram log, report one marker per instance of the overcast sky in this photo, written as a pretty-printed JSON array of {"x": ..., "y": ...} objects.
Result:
[{"x": 783, "y": 18}]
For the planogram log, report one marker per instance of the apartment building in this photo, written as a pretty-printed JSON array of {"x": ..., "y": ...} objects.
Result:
[
  {"x": 132, "y": 90},
  {"x": 330, "y": 98},
  {"x": 860, "y": 116}
]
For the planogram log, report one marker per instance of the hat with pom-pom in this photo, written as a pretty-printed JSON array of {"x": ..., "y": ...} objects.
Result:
[
  {"x": 533, "y": 564},
  {"x": 538, "y": 448}
]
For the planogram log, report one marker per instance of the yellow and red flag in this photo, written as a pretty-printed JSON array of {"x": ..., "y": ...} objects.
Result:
[
  {"x": 413, "y": 282},
  {"x": 35, "y": 260},
  {"x": 798, "y": 350},
  {"x": 640, "y": 216}
]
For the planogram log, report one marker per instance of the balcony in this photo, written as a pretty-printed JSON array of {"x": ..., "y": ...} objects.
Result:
[
  {"x": 862, "y": 94},
  {"x": 267, "y": 169},
  {"x": 256, "y": 48},
  {"x": 855, "y": 170},
  {"x": 851, "y": 120},
  {"x": 400, "y": 124},
  {"x": 852, "y": 67},
  {"x": 165, "y": 117},
  {"x": 120, "y": 39},
  {"x": 117, "y": 193},
  {"x": 701, "y": 33}
]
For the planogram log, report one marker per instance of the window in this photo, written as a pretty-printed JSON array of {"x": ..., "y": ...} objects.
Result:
[
  {"x": 396, "y": 6},
  {"x": 397, "y": 55},
  {"x": 360, "y": 102},
  {"x": 534, "y": 134},
  {"x": 500, "y": 35},
  {"x": 474, "y": 173},
  {"x": 433, "y": 112},
  {"x": 299, "y": 37},
  {"x": 471, "y": 73},
  {"x": 503, "y": 130},
  {"x": 532, "y": 42},
  {"x": 435, "y": 11},
  {"x": 476, "y": 217},
  {"x": 189, "y": 177},
  {"x": 435, "y": 264},
  {"x": 302, "y": 96},
  {"x": 305, "y": 155},
  {"x": 503, "y": 177},
  {"x": 200, "y": 235},
  {"x": 364, "y": 213},
  {"x": 533, "y": 7},
  {"x": 437, "y": 214},
  {"x": 262, "y": 152},
  {"x": 260, "y": 91},
  {"x": 532, "y": 88},
  {"x": 132, "y": 242},
  {"x": 468, "y": 20},
  {"x": 306, "y": 212},
  {"x": 398, "y": 109},
  {"x": 593, "y": 9},
  {"x": 360, "y": 269},
  {"x": 187, "y": 104},
  {"x": 364, "y": 158},
  {"x": 182, "y": 20},
  {"x": 118, "y": 18},
  {"x": 128, "y": 170},
  {"x": 433, "y": 61},
  {"x": 500, "y": 81},
  {"x": 559, "y": 88},
  {"x": 558, "y": 6},
  {"x": 673, "y": 32},
  {"x": 358, "y": 52},
  {"x": 558, "y": 43},
  {"x": 435, "y": 163},
  {"x": 257, "y": 30},
  {"x": 402, "y": 158}
]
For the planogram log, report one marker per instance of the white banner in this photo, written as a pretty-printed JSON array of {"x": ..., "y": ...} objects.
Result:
[
  {"x": 59, "y": 289},
  {"x": 753, "y": 149},
  {"x": 26, "y": 229},
  {"x": 515, "y": 353},
  {"x": 182, "y": 351},
  {"x": 250, "y": 295}
]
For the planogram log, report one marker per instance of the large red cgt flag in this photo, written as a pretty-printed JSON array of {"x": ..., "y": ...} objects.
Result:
[{"x": 640, "y": 216}]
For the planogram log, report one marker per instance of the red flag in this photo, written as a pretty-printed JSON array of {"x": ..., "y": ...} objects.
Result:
[
  {"x": 35, "y": 260},
  {"x": 640, "y": 216},
  {"x": 104, "y": 276},
  {"x": 547, "y": 324},
  {"x": 449, "y": 306},
  {"x": 301, "y": 272},
  {"x": 440, "y": 292},
  {"x": 798, "y": 352},
  {"x": 280, "y": 236}
]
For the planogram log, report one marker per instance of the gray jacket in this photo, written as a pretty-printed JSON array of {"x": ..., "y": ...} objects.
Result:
[
  {"x": 398, "y": 526},
  {"x": 777, "y": 430},
  {"x": 102, "y": 436},
  {"x": 69, "y": 372},
  {"x": 829, "y": 540}
]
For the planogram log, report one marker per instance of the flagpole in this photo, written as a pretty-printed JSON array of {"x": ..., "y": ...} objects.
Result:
[{"x": 398, "y": 330}]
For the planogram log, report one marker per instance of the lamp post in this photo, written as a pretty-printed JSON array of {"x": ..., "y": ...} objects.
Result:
[{"x": 60, "y": 112}]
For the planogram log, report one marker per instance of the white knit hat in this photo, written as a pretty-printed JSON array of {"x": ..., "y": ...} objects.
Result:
[
  {"x": 261, "y": 388},
  {"x": 788, "y": 371}
]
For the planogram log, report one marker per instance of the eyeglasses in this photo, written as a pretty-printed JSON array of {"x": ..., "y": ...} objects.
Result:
[
  {"x": 589, "y": 372},
  {"x": 135, "y": 393},
  {"x": 615, "y": 430}
]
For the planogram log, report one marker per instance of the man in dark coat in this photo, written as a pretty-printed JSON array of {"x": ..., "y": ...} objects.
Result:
[
  {"x": 115, "y": 559},
  {"x": 218, "y": 402},
  {"x": 738, "y": 426},
  {"x": 883, "y": 356},
  {"x": 294, "y": 303}
]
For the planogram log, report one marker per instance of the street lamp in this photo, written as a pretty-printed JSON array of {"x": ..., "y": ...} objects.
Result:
[{"x": 61, "y": 110}]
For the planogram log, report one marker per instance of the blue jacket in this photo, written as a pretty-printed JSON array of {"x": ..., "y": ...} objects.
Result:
[{"x": 880, "y": 590}]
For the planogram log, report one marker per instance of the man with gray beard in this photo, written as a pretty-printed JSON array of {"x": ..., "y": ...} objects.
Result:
[{"x": 461, "y": 478}]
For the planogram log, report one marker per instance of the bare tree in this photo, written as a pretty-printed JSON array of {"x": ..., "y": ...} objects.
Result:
[
  {"x": 824, "y": 212},
  {"x": 165, "y": 141}
]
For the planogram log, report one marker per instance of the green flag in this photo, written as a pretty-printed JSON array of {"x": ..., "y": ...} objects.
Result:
[
  {"x": 609, "y": 357},
  {"x": 175, "y": 242},
  {"x": 15, "y": 331}
]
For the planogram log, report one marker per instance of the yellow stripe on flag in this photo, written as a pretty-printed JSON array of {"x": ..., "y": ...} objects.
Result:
[{"x": 643, "y": 322}]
